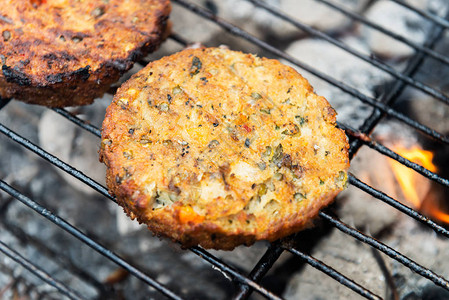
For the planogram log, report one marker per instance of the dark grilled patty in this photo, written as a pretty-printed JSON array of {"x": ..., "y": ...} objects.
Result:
[{"x": 68, "y": 52}]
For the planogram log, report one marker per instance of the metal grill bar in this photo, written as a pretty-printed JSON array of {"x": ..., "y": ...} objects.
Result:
[
  {"x": 89, "y": 127},
  {"x": 60, "y": 258},
  {"x": 231, "y": 271},
  {"x": 398, "y": 205},
  {"x": 369, "y": 59},
  {"x": 262, "y": 267},
  {"x": 363, "y": 138},
  {"x": 350, "y": 90},
  {"x": 437, "y": 279},
  {"x": 4, "y": 102},
  {"x": 414, "y": 166},
  {"x": 432, "y": 17},
  {"x": 398, "y": 87},
  {"x": 56, "y": 161},
  {"x": 317, "y": 264},
  {"x": 179, "y": 39},
  {"x": 361, "y": 19},
  {"x": 38, "y": 272},
  {"x": 86, "y": 240},
  {"x": 273, "y": 253}
]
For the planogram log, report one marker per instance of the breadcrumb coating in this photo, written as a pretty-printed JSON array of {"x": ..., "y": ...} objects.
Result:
[{"x": 219, "y": 148}]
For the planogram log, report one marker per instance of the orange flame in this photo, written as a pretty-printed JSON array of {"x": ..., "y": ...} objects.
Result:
[
  {"x": 408, "y": 178},
  {"x": 438, "y": 214}
]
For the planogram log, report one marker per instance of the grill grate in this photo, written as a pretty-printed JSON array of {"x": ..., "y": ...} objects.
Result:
[
  {"x": 38, "y": 272},
  {"x": 246, "y": 283},
  {"x": 382, "y": 66}
]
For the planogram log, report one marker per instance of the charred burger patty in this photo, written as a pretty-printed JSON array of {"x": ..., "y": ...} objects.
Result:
[{"x": 68, "y": 52}]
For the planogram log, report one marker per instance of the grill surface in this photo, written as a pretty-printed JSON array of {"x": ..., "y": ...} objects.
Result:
[{"x": 244, "y": 283}]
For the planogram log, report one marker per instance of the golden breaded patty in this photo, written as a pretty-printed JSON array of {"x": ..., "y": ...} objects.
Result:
[
  {"x": 68, "y": 52},
  {"x": 221, "y": 148}
]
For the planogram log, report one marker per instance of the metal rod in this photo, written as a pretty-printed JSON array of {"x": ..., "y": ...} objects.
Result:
[
  {"x": 235, "y": 274},
  {"x": 366, "y": 140},
  {"x": 258, "y": 272},
  {"x": 179, "y": 39},
  {"x": 56, "y": 161},
  {"x": 398, "y": 205},
  {"x": 71, "y": 117},
  {"x": 369, "y": 59},
  {"x": 344, "y": 87},
  {"x": 393, "y": 293},
  {"x": 361, "y": 19},
  {"x": 85, "y": 239},
  {"x": 414, "y": 166},
  {"x": 61, "y": 287},
  {"x": 319, "y": 265},
  {"x": 429, "y": 16},
  {"x": 435, "y": 278},
  {"x": 397, "y": 89},
  {"x": 60, "y": 258}
]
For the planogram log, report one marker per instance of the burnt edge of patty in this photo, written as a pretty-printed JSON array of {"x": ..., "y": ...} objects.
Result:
[{"x": 14, "y": 75}]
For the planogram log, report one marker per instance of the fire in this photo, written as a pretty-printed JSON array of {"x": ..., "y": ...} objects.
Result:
[
  {"x": 408, "y": 179},
  {"x": 438, "y": 214}
]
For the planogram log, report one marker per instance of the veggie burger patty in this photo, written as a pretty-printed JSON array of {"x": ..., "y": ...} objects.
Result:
[
  {"x": 220, "y": 148},
  {"x": 68, "y": 52}
]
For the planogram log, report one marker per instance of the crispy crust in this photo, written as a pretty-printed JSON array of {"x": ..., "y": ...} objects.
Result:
[
  {"x": 220, "y": 148},
  {"x": 68, "y": 52}
]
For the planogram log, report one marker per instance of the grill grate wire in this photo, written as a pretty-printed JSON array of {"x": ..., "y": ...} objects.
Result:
[
  {"x": 370, "y": 59},
  {"x": 247, "y": 283},
  {"x": 38, "y": 272},
  {"x": 365, "y": 21},
  {"x": 436, "y": 19},
  {"x": 61, "y": 258},
  {"x": 398, "y": 87}
]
